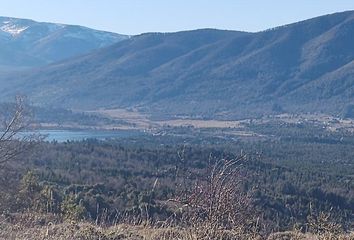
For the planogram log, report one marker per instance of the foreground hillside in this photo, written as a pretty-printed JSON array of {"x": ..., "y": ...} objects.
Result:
[
  {"x": 87, "y": 231},
  {"x": 26, "y": 43},
  {"x": 302, "y": 67}
]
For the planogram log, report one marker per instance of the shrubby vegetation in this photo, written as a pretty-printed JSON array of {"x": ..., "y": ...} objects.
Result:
[{"x": 110, "y": 182}]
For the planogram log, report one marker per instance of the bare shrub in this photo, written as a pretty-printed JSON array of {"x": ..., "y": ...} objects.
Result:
[
  {"x": 14, "y": 120},
  {"x": 324, "y": 226},
  {"x": 215, "y": 207}
]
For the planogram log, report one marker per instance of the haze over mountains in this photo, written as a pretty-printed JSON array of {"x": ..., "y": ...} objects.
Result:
[
  {"x": 302, "y": 67},
  {"x": 26, "y": 43}
]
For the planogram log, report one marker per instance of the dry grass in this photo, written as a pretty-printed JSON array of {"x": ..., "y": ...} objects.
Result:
[{"x": 88, "y": 231}]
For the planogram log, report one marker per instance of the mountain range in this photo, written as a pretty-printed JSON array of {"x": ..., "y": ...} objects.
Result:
[
  {"x": 307, "y": 66},
  {"x": 26, "y": 43}
]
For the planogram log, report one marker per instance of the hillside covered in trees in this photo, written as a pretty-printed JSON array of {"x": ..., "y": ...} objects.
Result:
[{"x": 301, "y": 67}]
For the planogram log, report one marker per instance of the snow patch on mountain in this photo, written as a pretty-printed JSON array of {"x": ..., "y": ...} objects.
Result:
[
  {"x": 13, "y": 29},
  {"x": 30, "y": 43}
]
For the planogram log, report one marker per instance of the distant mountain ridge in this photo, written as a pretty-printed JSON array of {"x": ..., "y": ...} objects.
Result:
[
  {"x": 26, "y": 43},
  {"x": 302, "y": 67}
]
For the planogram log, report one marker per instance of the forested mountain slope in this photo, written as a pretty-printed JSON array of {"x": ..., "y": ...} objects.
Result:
[{"x": 305, "y": 66}]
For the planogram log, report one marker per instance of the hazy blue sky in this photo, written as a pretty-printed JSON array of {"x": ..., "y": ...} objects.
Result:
[{"x": 137, "y": 16}]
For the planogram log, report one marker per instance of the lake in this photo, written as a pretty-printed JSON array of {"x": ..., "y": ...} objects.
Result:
[{"x": 77, "y": 135}]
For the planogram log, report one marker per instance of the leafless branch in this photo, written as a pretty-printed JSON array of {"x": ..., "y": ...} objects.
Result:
[{"x": 15, "y": 119}]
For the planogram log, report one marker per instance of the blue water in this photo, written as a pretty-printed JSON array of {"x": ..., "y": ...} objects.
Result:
[{"x": 73, "y": 135}]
